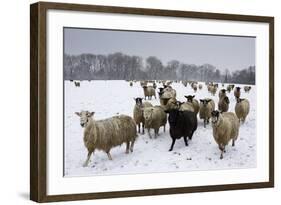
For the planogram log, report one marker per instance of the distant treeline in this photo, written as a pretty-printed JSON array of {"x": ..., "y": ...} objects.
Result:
[{"x": 119, "y": 66}]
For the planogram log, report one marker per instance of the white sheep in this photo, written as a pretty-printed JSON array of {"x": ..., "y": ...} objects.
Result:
[
  {"x": 154, "y": 117},
  {"x": 223, "y": 104},
  {"x": 225, "y": 128},
  {"x": 149, "y": 91},
  {"x": 138, "y": 112},
  {"x": 195, "y": 103},
  {"x": 108, "y": 133},
  {"x": 206, "y": 107}
]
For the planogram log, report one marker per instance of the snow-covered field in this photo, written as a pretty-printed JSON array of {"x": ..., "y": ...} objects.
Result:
[{"x": 109, "y": 98}]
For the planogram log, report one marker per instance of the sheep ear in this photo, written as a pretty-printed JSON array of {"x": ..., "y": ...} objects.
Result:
[
  {"x": 193, "y": 96},
  {"x": 201, "y": 100},
  {"x": 78, "y": 113},
  {"x": 134, "y": 99},
  {"x": 186, "y": 96},
  {"x": 90, "y": 114}
]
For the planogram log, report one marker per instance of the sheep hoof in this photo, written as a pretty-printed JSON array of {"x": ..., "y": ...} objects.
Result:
[
  {"x": 85, "y": 164},
  {"x": 127, "y": 152},
  {"x": 221, "y": 157}
]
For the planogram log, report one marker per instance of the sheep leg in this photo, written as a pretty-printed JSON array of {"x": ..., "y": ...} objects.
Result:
[
  {"x": 185, "y": 140},
  {"x": 127, "y": 147},
  {"x": 164, "y": 128},
  {"x": 156, "y": 132},
  {"x": 88, "y": 159},
  {"x": 139, "y": 127},
  {"x": 143, "y": 128},
  {"x": 109, "y": 155},
  {"x": 204, "y": 123},
  {"x": 221, "y": 157},
  {"x": 148, "y": 130},
  {"x": 172, "y": 145},
  {"x": 132, "y": 145},
  {"x": 233, "y": 143}
]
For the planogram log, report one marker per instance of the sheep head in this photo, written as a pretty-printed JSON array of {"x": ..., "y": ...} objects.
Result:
[
  {"x": 215, "y": 117},
  {"x": 147, "y": 113},
  {"x": 138, "y": 101},
  {"x": 205, "y": 101},
  {"x": 189, "y": 98},
  {"x": 84, "y": 117}
]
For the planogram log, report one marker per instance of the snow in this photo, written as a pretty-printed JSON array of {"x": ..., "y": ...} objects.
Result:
[{"x": 109, "y": 98}]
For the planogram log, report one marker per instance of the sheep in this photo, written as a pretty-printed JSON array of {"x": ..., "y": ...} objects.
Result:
[
  {"x": 225, "y": 128},
  {"x": 194, "y": 87},
  {"x": 154, "y": 85},
  {"x": 223, "y": 104},
  {"x": 154, "y": 118},
  {"x": 182, "y": 124},
  {"x": 237, "y": 92},
  {"x": 186, "y": 106},
  {"x": 242, "y": 109},
  {"x": 213, "y": 90},
  {"x": 184, "y": 82},
  {"x": 247, "y": 89},
  {"x": 222, "y": 93},
  {"x": 195, "y": 103},
  {"x": 165, "y": 94},
  {"x": 168, "y": 91},
  {"x": 149, "y": 91},
  {"x": 143, "y": 83},
  {"x": 131, "y": 83},
  {"x": 228, "y": 88},
  {"x": 138, "y": 112},
  {"x": 206, "y": 108},
  {"x": 77, "y": 83},
  {"x": 200, "y": 86},
  {"x": 106, "y": 134}
]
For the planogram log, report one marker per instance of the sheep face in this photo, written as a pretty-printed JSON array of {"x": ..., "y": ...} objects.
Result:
[
  {"x": 238, "y": 89},
  {"x": 147, "y": 114},
  {"x": 84, "y": 117},
  {"x": 138, "y": 101},
  {"x": 223, "y": 91},
  {"x": 205, "y": 101},
  {"x": 215, "y": 117},
  {"x": 189, "y": 98}
]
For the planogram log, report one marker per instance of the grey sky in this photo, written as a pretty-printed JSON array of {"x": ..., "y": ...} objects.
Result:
[{"x": 230, "y": 52}]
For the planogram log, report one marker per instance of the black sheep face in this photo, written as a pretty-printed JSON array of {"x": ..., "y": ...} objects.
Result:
[
  {"x": 223, "y": 90},
  {"x": 138, "y": 101},
  {"x": 189, "y": 98},
  {"x": 238, "y": 89},
  {"x": 205, "y": 101},
  {"x": 215, "y": 116}
]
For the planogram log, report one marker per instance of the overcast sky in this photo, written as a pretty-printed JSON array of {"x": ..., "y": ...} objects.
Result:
[{"x": 230, "y": 52}]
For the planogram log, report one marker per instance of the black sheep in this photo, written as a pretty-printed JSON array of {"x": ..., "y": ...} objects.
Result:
[{"x": 182, "y": 124}]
